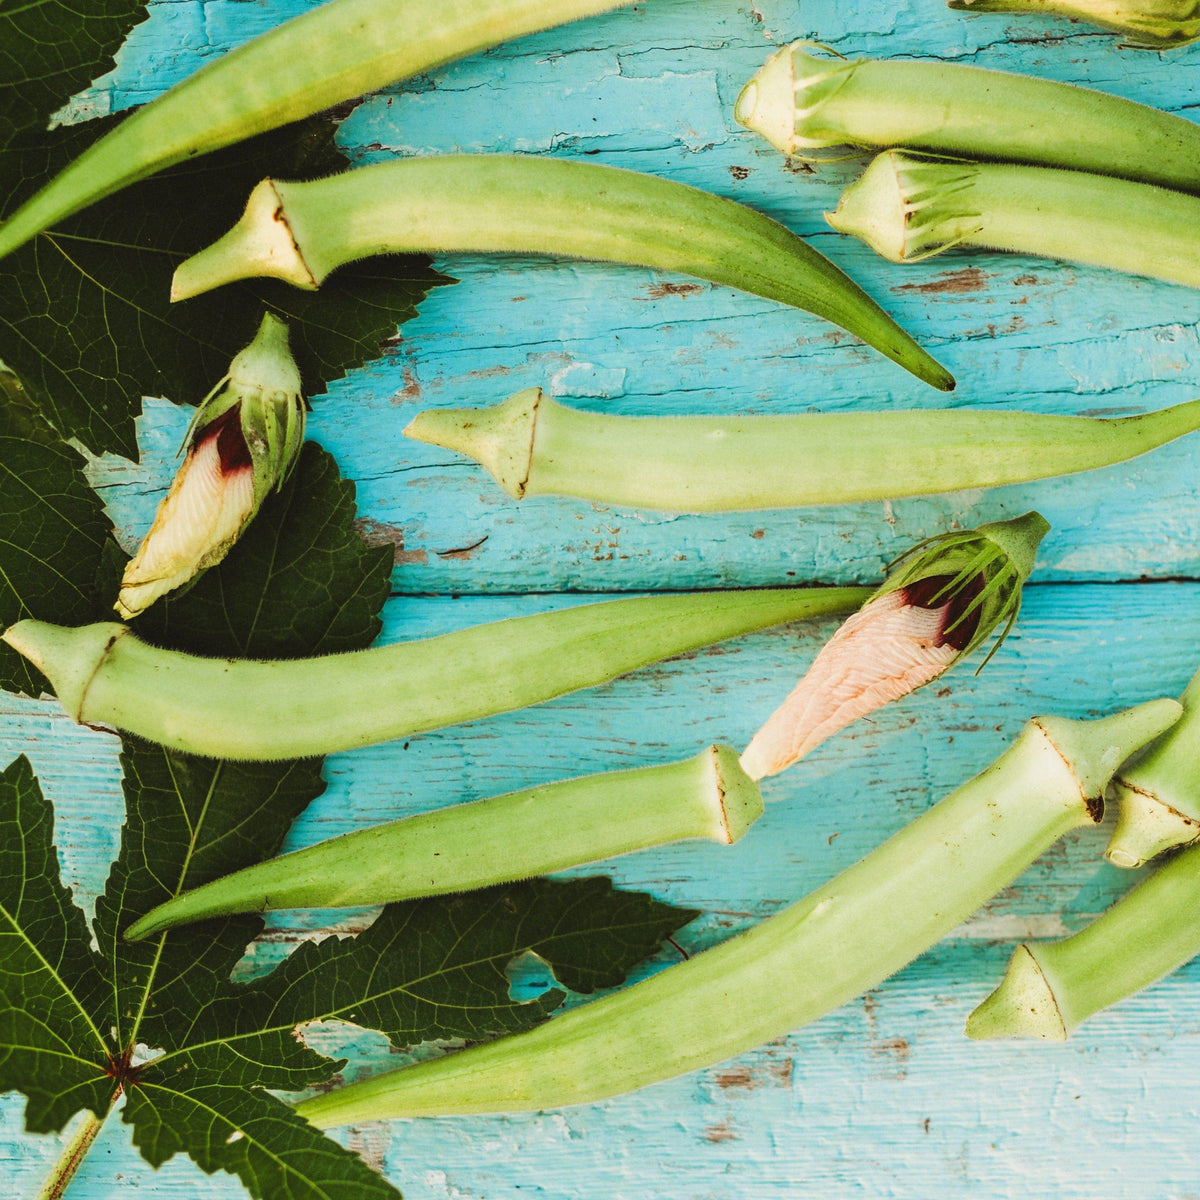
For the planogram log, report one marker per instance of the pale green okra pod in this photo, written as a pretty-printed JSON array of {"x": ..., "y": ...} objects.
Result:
[
  {"x": 1158, "y": 796},
  {"x": 532, "y": 445},
  {"x": 907, "y": 207},
  {"x": 800, "y": 103},
  {"x": 1050, "y": 987},
  {"x": 296, "y": 708},
  {"x": 341, "y": 50},
  {"x": 300, "y": 232},
  {"x": 838, "y": 942},
  {"x": 1148, "y": 24},
  {"x": 465, "y": 846}
]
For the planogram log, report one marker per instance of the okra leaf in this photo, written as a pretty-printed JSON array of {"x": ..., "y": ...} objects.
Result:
[
  {"x": 164, "y": 1021},
  {"x": 53, "y": 535},
  {"x": 48, "y": 51},
  {"x": 51, "y": 1047},
  {"x": 85, "y": 313}
]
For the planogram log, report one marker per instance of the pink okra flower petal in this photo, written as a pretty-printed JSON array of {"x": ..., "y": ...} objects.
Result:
[{"x": 943, "y": 600}]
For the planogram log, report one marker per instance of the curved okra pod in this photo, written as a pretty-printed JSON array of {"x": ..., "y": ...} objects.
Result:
[
  {"x": 300, "y": 232},
  {"x": 341, "y": 50},
  {"x": 532, "y": 445},
  {"x": 838, "y": 942},
  {"x": 800, "y": 103},
  {"x": 1050, "y": 987},
  {"x": 1148, "y": 24},
  {"x": 295, "y": 708},
  {"x": 1158, "y": 796},
  {"x": 907, "y": 207},
  {"x": 515, "y": 836}
]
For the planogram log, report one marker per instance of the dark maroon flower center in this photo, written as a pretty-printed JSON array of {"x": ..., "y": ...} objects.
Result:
[
  {"x": 956, "y": 630},
  {"x": 232, "y": 450}
]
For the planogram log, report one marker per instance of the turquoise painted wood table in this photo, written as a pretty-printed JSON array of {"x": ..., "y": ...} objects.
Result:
[{"x": 884, "y": 1097}]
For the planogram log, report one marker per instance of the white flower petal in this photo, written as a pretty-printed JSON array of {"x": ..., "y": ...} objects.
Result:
[{"x": 883, "y": 652}]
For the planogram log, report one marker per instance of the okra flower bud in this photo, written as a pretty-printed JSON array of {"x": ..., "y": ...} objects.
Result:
[
  {"x": 944, "y": 598},
  {"x": 242, "y": 443}
]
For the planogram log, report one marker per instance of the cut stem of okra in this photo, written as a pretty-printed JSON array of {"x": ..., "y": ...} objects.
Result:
[
  {"x": 516, "y": 836},
  {"x": 341, "y": 50},
  {"x": 300, "y": 232},
  {"x": 800, "y": 103},
  {"x": 532, "y": 445},
  {"x": 1158, "y": 796},
  {"x": 1148, "y": 24},
  {"x": 907, "y": 207},
  {"x": 820, "y": 952},
  {"x": 1050, "y": 987},
  {"x": 296, "y": 708}
]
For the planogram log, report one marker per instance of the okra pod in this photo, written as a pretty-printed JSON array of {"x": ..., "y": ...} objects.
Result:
[
  {"x": 800, "y": 103},
  {"x": 1050, "y": 987},
  {"x": 820, "y": 952},
  {"x": 515, "y": 836},
  {"x": 532, "y": 445},
  {"x": 1148, "y": 24},
  {"x": 906, "y": 208},
  {"x": 295, "y": 708},
  {"x": 341, "y": 50},
  {"x": 1158, "y": 796},
  {"x": 513, "y": 204}
]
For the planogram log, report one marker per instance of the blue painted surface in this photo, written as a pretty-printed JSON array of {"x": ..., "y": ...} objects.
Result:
[{"x": 885, "y": 1097}]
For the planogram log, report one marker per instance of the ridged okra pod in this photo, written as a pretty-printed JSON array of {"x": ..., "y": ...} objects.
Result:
[
  {"x": 802, "y": 103},
  {"x": 1050, "y": 987},
  {"x": 294, "y": 708},
  {"x": 515, "y": 204},
  {"x": 532, "y": 445},
  {"x": 341, "y": 50},
  {"x": 1148, "y": 24},
  {"x": 1158, "y": 796},
  {"x": 907, "y": 207},
  {"x": 486, "y": 842},
  {"x": 820, "y": 952}
]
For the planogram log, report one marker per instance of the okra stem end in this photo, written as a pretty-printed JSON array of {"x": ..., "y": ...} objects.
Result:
[
  {"x": 1146, "y": 826},
  {"x": 260, "y": 244},
  {"x": 68, "y": 657},
  {"x": 767, "y": 104},
  {"x": 500, "y": 439},
  {"x": 1095, "y": 749},
  {"x": 1022, "y": 1006}
]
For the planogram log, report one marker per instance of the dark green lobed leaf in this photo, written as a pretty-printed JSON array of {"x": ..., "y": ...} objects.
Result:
[
  {"x": 85, "y": 316},
  {"x": 51, "y": 1045},
  {"x": 54, "y": 531}
]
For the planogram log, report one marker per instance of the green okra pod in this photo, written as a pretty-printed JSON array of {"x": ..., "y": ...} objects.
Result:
[
  {"x": 1147, "y": 24},
  {"x": 300, "y": 232},
  {"x": 820, "y": 952},
  {"x": 1158, "y": 796},
  {"x": 295, "y": 708},
  {"x": 341, "y": 50},
  {"x": 532, "y": 445},
  {"x": 802, "y": 103},
  {"x": 515, "y": 836},
  {"x": 1050, "y": 987},
  {"x": 907, "y": 207}
]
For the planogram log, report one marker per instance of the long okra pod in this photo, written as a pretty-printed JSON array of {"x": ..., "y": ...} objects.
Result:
[
  {"x": 475, "y": 845},
  {"x": 343, "y": 49},
  {"x": 907, "y": 207},
  {"x": 300, "y": 232},
  {"x": 533, "y": 445},
  {"x": 1050, "y": 987},
  {"x": 839, "y": 941},
  {"x": 1148, "y": 24},
  {"x": 242, "y": 709},
  {"x": 800, "y": 102},
  {"x": 1158, "y": 796}
]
